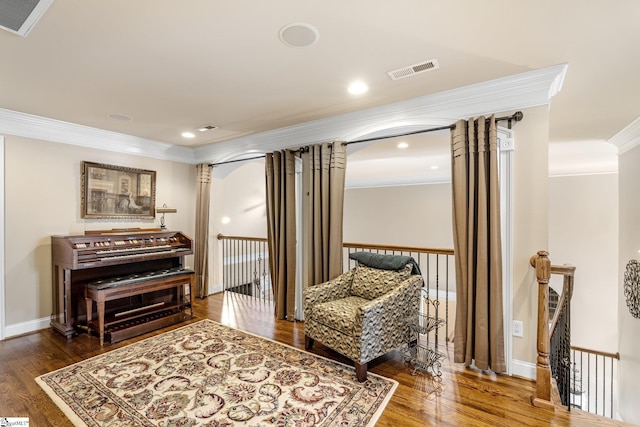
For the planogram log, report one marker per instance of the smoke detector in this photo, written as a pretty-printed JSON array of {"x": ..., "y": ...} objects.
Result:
[{"x": 414, "y": 69}]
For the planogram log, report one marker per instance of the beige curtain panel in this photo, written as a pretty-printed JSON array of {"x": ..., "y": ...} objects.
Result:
[
  {"x": 479, "y": 328},
  {"x": 281, "y": 230},
  {"x": 201, "y": 250},
  {"x": 323, "y": 168}
]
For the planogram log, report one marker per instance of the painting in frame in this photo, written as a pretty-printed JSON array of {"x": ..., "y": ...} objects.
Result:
[{"x": 109, "y": 191}]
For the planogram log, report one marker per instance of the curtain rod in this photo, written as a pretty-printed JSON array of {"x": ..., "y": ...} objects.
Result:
[{"x": 515, "y": 117}]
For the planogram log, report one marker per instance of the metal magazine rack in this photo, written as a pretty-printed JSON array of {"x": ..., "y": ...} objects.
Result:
[{"x": 422, "y": 353}]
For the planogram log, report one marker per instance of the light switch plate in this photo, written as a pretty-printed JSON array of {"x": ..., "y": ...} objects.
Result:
[{"x": 518, "y": 328}]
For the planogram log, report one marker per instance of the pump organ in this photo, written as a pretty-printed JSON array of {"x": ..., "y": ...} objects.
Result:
[{"x": 136, "y": 279}]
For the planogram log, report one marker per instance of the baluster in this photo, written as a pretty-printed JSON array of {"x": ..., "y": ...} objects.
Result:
[
  {"x": 611, "y": 390},
  {"x": 588, "y": 394},
  {"x": 596, "y": 392}
]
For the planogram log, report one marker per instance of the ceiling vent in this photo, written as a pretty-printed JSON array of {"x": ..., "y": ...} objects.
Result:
[
  {"x": 19, "y": 17},
  {"x": 414, "y": 69}
]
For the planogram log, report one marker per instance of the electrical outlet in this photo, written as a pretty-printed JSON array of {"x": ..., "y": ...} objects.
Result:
[{"x": 518, "y": 328}]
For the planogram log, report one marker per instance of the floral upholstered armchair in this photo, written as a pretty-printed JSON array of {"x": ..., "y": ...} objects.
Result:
[{"x": 365, "y": 312}]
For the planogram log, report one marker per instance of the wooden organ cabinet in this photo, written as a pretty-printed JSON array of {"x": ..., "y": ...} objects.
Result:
[{"x": 135, "y": 279}]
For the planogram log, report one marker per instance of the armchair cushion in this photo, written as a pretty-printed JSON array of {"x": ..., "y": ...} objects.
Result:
[
  {"x": 340, "y": 314},
  {"x": 371, "y": 283}
]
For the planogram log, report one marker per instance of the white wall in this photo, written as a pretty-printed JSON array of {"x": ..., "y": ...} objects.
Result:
[
  {"x": 240, "y": 196},
  {"x": 237, "y": 194},
  {"x": 583, "y": 232},
  {"x": 414, "y": 215},
  {"x": 42, "y": 195},
  {"x": 530, "y": 225},
  {"x": 629, "y": 327}
]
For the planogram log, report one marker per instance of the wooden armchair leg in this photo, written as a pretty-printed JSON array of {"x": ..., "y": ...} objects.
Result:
[
  {"x": 361, "y": 371},
  {"x": 308, "y": 342}
]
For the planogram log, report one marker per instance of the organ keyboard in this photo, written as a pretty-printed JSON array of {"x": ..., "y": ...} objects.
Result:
[{"x": 124, "y": 258}]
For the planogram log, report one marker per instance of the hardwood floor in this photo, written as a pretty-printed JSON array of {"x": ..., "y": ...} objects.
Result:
[{"x": 469, "y": 397}]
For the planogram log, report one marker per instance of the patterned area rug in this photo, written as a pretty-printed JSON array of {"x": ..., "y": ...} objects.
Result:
[{"x": 207, "y": 374}]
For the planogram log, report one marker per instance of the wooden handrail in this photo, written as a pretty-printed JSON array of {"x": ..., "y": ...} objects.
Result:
[
  {"x": 568, "y": 272},
  {"x": 597, "y": 353},
  {"x": 399, "y": 248},
  {"x": 357, "y": 245},
  {"x": 249, "y": 239},
  {"x": 565, "y": 270}
]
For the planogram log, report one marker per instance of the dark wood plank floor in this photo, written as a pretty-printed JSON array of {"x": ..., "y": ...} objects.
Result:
[{"x": 469, "y": 397}]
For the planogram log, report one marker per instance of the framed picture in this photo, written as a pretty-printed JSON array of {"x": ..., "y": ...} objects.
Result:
[{"x": 109, "y": 191}]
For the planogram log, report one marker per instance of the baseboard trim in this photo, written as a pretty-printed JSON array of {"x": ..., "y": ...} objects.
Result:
[
  {"x": 214, "y": 289},
  {"x": 523, "y": 369},
  {"x": 26, "y": 327}
]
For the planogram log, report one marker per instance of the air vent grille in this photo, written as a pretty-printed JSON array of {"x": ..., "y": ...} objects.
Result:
[
  {"x": 19, "y": 16},
  {"x": 414, "y": 69}
]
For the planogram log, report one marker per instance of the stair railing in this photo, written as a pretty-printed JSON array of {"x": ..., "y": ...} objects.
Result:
[
  {"x": 553, "y": 367},
  {"x": 593, "y": 383},
  {"x": 560, "y": 330}
]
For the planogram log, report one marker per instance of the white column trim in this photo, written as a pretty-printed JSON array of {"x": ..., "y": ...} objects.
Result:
[
  {"x": 506, "y": 147},
  {"x": 299, "y": 300},
  {"x": 2, "y": 241}
]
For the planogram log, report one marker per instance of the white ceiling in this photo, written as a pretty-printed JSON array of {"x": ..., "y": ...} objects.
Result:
[{"x": 174, "y": 67}]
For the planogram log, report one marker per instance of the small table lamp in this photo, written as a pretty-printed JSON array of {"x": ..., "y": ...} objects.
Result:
[{"x": 163, "y": 210}]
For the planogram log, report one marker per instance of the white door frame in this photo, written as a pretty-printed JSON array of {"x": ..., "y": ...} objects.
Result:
[
  {"x": 506, "y": 148},
  {"x": 2, "y": 228}
]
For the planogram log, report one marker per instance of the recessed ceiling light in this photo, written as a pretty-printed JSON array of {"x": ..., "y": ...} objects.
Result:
[
  {"x": 226, "y": 220},
  {"x": 121, "y": 117},
  {"x": 299, "y": 35},
  {"x": 188, "y": 135},
  {"x": 435, "y": 167},
  {"x": 358, "y": 88},
  {"x": 403, "y": 145}
]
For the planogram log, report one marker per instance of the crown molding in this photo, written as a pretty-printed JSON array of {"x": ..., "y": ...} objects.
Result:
[
  {"x": 353, "y": 184},
  {"x": 45, "y": 129},
  {"x": 524, "y": 90},
  {"x": 627, "y": 138}
]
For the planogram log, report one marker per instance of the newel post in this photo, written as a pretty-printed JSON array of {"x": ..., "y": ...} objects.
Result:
[{"x": 542, "y": 395}]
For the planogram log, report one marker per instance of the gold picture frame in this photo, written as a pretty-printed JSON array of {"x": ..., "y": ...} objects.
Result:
[{"x": 118, "y": 192}]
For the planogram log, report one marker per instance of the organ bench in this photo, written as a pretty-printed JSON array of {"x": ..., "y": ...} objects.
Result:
[{"x": 138, "y": 320}]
